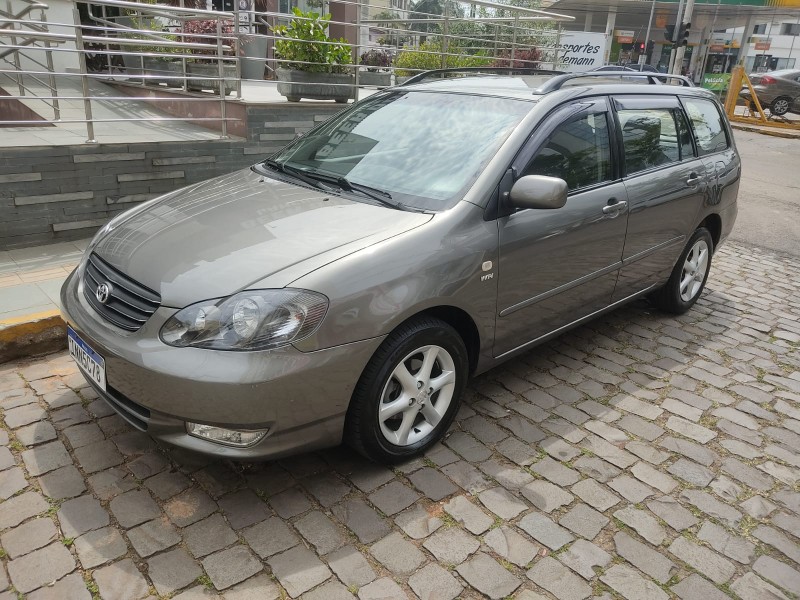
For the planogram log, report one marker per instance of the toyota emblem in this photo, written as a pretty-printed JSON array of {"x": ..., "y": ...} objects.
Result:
[{"x": 103, "y": 293}]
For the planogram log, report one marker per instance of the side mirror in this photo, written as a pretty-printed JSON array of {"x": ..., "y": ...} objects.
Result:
[{"x": 539, "y": 191}]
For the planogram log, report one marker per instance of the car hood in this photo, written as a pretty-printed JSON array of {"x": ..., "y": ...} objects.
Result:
[{"x": 221, "y": 236}]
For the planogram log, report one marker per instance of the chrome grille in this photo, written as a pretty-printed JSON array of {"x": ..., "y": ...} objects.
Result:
[{"x": 129, "y": 304}]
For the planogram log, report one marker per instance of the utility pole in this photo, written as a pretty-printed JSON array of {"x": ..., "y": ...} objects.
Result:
[
  {"x": 683, "y": 37},
  {"x": 649, "y": 26},
  {"x": 675, "y": 36}
]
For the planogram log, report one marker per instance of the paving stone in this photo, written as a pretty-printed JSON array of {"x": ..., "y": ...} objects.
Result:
[
  {"x": 290, "y": 503},
  {"x": 189, "y": 507},
  {"x": 80, "y": 515},
  {"x": 361, "y": 519},
  {"x": 705, "y": 561},
  {"x": 15, "y": 510},
  {"x": 562, "y": 428},
  {"x": 608, "y": 452},
  {"x": 209, "y": 535},
  {"x": 630, "y": 489},
  {"x": 232, "y": 566},
  {"x": 468, "y": 447},
  {"x": 393, "y": 497},
  {"x": 438, "y": 453},
  {"x": 517, "y": 451},
  {"x": 638, "y": 407},
  {"x": 148, "y": 465},
  {"x": 726, "y": 489},
  {"x": 432, "y": 483},
  {"x": 644, "y": 558},
  {"x": 382, "y": 589},
  {"x": 152, "y": 537},
  {"x": 167, "y": 484},
  {"x": 133, "y": 443},
  {"x": 748, "y": 475},
  {"x": 545, "y": 531},
  {"x": 172, "y": 570},
  {"x": 606, "y": 431},
  {"x": 40, "y": 567},
  {"x": 98, "y": 456},
  {"x": 351, "y": 567},
  {"x": 45, "y": 458},
  {"x": 789, "y": 499},
  {"x": 595, "y": 494},
  {"x": 682, "y": 410},
  {"x": 632, "y": 586},
  {"x": 787, "y": 522},
  {"x": 555, "y": 472},
  {"x": 452, "y": 545},
  {"x": 512, "y": 546},
  {"x": 323, "y": 534},
  {"x": 484, "y": 430},
  {"x": 110, "y": 483},
  {"x": 741, "y": 449},
  {"x": 780, "y": 472},
  {"x": 641, "y": 428},
  {"x": 432, "y": 582},
  {"x": 99, "y": 547},
  {"x": 11, "y": 481},
  {"x": 696, "y": 452},
  {"x": 487, "y": 576},
  {"x": 758, "y": 507},
  {"x": 121, "y": 581},
  {"x": 695, "y": 587},
  {"x": 593, "y": 467},
  {"x": 502, "y": 503},
  {"x": 559, "y": 449},
  {"x": 71, "y": 587},
  {"x": 397, "y": 554},
  {"x": 298, "y": 570},
  {"x": 545, "y": 496},
  {"x": 509, "y": 476},
  {"x": 751, "y": 587},
  {"x": 584, "y": 521},
  {"x": 30, "y": 536},
  {"x": 270, "y": 537},
  {"x": 551, "y": 575},
  {"x": 711, "y": 506},
  {"x": 643, "y": 523},
  {"x": 36, "y": 433},
  {"x": 333, "y": 590},
  {"x": 469, "y": 515},
  {"x": 24, "y": 415},
  {"x": 653, "y": 477},
  {"x": 66, "y": 482},
  {"x": 582, "y": 557},
  {"x": 133, "y": 508},
  {"x": 691, "y": 472},
  {"x": 778, "y": 573},
  {"x": 779, "y": 541},
  {"x": 417, "y": 522},
  {"x": 82, "y": 435},
  {"x": 467, "y": 477}
]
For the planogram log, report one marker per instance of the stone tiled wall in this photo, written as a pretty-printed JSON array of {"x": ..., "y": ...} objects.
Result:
[{"x": 58, "y": 193}]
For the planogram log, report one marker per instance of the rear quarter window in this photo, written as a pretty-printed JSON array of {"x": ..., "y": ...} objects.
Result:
[{"x": 707, "y": 124}]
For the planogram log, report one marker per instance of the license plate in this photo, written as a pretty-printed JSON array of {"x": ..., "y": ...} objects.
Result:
[{"x": 90, "y": 362}]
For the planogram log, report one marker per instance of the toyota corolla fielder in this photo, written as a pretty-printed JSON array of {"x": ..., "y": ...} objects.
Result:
[{"x": 346, "y": 288}]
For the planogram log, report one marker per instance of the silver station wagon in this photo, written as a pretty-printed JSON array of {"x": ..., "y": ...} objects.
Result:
[{"x": 347, "y": 288}]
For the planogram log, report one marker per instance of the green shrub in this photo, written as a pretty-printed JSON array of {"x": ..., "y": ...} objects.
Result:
[
  {"x": 298, "y": 47},
  {"x": 411, "y": 62}
]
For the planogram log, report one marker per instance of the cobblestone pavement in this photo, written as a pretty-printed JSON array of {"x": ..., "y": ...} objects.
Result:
[{"x": 640, "y": 456}]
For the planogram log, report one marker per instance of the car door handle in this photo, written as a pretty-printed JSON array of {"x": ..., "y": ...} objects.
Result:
[
  {"x": 693, "y": 180},
  {"x": 614, "y": 207}
]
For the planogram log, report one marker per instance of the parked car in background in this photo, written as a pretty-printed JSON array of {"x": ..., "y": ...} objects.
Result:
[
  {"x": 778, "y": 91},
  {"x": 346, "y": 288}
]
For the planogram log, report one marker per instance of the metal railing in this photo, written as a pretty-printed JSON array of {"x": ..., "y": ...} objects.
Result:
[{"x": 205, "y": 55}]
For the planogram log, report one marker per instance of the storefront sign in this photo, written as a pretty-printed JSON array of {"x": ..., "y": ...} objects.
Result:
[
  {"x": 624, "y": 36},
  {"x": 763, "y": 45},
  {"x": 717, "y": 82},
  {"x": 716, "y": 48},
  {"x": 581, "y": 51}
]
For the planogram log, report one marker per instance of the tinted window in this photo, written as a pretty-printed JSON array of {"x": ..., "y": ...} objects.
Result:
[
  {"x": 577, "y": 152},
  {"x": 649, "y": 137},
  {"x": 707, "y": 125}
]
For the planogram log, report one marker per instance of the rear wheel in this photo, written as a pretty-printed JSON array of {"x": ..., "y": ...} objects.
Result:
[
  {"x": 780, "y": 106},
  {"x": 689, "y": 276},
  {"x": 409, "y": 392}
]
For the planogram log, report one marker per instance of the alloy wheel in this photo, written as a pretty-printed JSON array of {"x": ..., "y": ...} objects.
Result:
[{"x": 694, "y": 271}]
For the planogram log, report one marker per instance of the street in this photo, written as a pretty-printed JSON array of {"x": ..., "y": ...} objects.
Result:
[{"x": 641, "y": 456}]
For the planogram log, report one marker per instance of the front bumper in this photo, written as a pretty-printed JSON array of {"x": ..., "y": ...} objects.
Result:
[{"x": 301, "y": 397}]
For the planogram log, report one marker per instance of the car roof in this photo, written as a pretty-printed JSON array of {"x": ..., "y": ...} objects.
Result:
[{"x": 526, "y": 87}]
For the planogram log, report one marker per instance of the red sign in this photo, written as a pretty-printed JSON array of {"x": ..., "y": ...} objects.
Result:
[
  {"x": 624, "y": 39},
  {"x": 763, "y": 45},
  {"x": 716, "y": 48}
]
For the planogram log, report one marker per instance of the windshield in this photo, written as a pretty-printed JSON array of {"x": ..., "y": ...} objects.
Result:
[{"x": 425, "y": 149}]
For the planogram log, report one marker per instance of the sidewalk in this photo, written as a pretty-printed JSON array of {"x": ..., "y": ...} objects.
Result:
[{"x": 30, "y": 281}]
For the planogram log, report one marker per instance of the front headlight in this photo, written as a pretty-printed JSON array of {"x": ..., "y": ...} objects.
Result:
[{"x": 250, "y": 320}]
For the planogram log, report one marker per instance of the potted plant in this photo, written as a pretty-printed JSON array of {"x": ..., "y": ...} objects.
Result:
[
  {"x": 429, "y": 56},
  {"x": 377, "y": 62},
  {"x": 312, "y": 65},
  {"x": 205, "y": 63}
]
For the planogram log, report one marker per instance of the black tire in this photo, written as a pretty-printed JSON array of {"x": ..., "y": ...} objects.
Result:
[
  {"x": 780, "y": 106},
  {"x": 668, "y": 298},
  {"x": 363, "y": 427}
]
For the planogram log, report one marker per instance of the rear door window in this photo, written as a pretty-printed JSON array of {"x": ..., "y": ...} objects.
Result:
[{"x": 707, "y": 124}]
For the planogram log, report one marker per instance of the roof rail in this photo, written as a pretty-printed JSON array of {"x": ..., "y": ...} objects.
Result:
[
  {"x": 654, "y": 78},
  {"x": 479, "y": 70}
]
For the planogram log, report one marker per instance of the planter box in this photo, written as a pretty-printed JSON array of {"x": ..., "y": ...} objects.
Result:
[
  {"x": 253, "y": 56},
  {"x": 375, "y": 79},
  {"x": 210, "y": 70},
  {"x": 295, "y": 85},
  {"x": 171, "y": 69}
]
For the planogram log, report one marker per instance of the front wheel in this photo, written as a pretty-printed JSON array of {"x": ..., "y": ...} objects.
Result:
[
  {"x": 689, "y": 276},
  {"x": 409, "y": 392},
  {"x": 780, "y": 106}
]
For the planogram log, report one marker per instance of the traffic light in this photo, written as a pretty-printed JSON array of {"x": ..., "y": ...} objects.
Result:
[
  {"x": 650, "y": 45},
  {"x": 683, "y": 35},
  {"x": 669, "y": 32},
  {"x": 641, "y": 47}
]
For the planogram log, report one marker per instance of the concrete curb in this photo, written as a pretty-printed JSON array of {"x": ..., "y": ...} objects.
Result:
[
  {"x": 773, "y": 132},
  {"x": 38, "y": 333}
]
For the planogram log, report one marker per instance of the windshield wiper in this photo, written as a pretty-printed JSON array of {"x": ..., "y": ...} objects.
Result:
[
  {"x": 381, "y": 196},
  {"x": 296, "y": 173}
]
